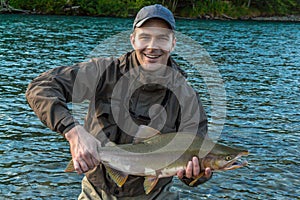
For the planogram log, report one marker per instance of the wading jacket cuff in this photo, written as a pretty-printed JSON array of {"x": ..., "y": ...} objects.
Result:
[
  {"x": 188, "y": 181},
  {"x": 66, "y": 124}
]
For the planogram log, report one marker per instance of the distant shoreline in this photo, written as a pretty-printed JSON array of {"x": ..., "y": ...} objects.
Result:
[
  {"x": 287, "y": 18},
  {"x": 279, "y": 10},
  {"x": 290, "y": 18}
]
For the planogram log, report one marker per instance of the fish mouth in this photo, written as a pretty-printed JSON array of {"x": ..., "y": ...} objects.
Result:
[{"x": 236, "y": 162}]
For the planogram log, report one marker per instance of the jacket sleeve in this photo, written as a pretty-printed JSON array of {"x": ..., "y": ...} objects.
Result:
[
  {"x": 201, "y": 123},
  {"x": 192, "y": 118},
  {"x": 49, "y": 93}
]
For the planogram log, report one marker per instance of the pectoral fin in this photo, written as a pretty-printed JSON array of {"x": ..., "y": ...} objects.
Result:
[
  {"x": 149, "y": 183},
  {"x": 196, "y": 179},
  {"x": 70, "y": 167},
  {"x": 117, "y": 176}
]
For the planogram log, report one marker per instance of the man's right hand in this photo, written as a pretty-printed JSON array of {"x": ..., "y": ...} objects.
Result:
[{"x": 83, "y": 148}]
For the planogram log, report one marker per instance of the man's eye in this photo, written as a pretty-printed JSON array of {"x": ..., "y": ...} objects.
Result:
[
  {"x": 164, "y": 38},
  {"x": 144, "y": 38}
]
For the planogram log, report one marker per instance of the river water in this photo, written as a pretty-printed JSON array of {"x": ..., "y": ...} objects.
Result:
[{"x": 258, "y": 63}]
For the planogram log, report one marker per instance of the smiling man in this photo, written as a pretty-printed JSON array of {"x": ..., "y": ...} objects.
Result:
[{"x": 153, "y": 40}]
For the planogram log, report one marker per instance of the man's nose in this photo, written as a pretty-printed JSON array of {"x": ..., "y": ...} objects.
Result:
[{"x": 153, "y": 44}]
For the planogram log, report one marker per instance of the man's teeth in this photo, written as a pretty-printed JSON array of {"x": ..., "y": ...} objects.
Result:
[{"x": 152, "y": 56}]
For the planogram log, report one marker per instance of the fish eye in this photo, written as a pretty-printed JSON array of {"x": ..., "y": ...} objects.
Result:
[{"x": 227, "y": 158}]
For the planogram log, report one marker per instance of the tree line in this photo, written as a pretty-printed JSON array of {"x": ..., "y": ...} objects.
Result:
[{"x": 181, "y": 8}]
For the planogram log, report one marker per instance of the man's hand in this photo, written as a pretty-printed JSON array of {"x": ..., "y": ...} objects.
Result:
[
  {"x": 83, "y": 148},
  {"x": 193, "y": 170}
]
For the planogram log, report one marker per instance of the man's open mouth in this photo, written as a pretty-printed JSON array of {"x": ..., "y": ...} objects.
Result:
[{"x": 152, "y": 56}]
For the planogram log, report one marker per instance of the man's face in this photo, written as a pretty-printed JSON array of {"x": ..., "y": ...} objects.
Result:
[{"x": 153, "y": 43}]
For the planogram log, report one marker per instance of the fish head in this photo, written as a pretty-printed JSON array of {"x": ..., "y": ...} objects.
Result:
[{"x": 225, "y": 160}]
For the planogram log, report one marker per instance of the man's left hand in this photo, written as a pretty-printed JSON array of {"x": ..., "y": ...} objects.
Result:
[{"x": 193, "y": 170}]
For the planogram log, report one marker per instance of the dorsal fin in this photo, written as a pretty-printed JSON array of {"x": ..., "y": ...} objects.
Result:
[{"x": 144, "y": 132}]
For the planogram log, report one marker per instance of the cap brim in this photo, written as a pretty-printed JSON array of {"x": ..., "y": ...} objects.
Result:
[{"x": 140, "y": 23}]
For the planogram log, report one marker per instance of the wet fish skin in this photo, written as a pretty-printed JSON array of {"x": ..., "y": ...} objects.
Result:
[{"x": 163, "y": 155}]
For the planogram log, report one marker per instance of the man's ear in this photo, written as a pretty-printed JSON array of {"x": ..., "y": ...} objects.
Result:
[
  {"x": 173, "y": 44},
  {"x": 132, "y": 40}
]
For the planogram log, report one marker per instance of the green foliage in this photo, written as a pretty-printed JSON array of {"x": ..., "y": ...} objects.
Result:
[
  {"x": 40, "y": 6},
  {"x": 185, "y": 8},
  {"x": 120, "y": 8},
  {"x": 277, "y": 7}
]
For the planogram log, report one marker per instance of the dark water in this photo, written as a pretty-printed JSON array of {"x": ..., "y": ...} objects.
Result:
[{"x": 259, "y": 65}]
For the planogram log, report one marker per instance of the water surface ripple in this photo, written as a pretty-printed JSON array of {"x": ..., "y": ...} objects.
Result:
[{"x": 259, "y": 63}]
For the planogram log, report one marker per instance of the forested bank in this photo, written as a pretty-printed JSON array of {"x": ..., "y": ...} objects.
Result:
[{"x": 230, "y": 9}]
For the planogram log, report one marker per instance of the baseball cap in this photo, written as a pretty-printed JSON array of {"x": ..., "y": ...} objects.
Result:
[{"x": 154, "y": 11}]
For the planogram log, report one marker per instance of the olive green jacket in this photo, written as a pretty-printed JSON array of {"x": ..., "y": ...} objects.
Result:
[{"x": 120, "y": 96}]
